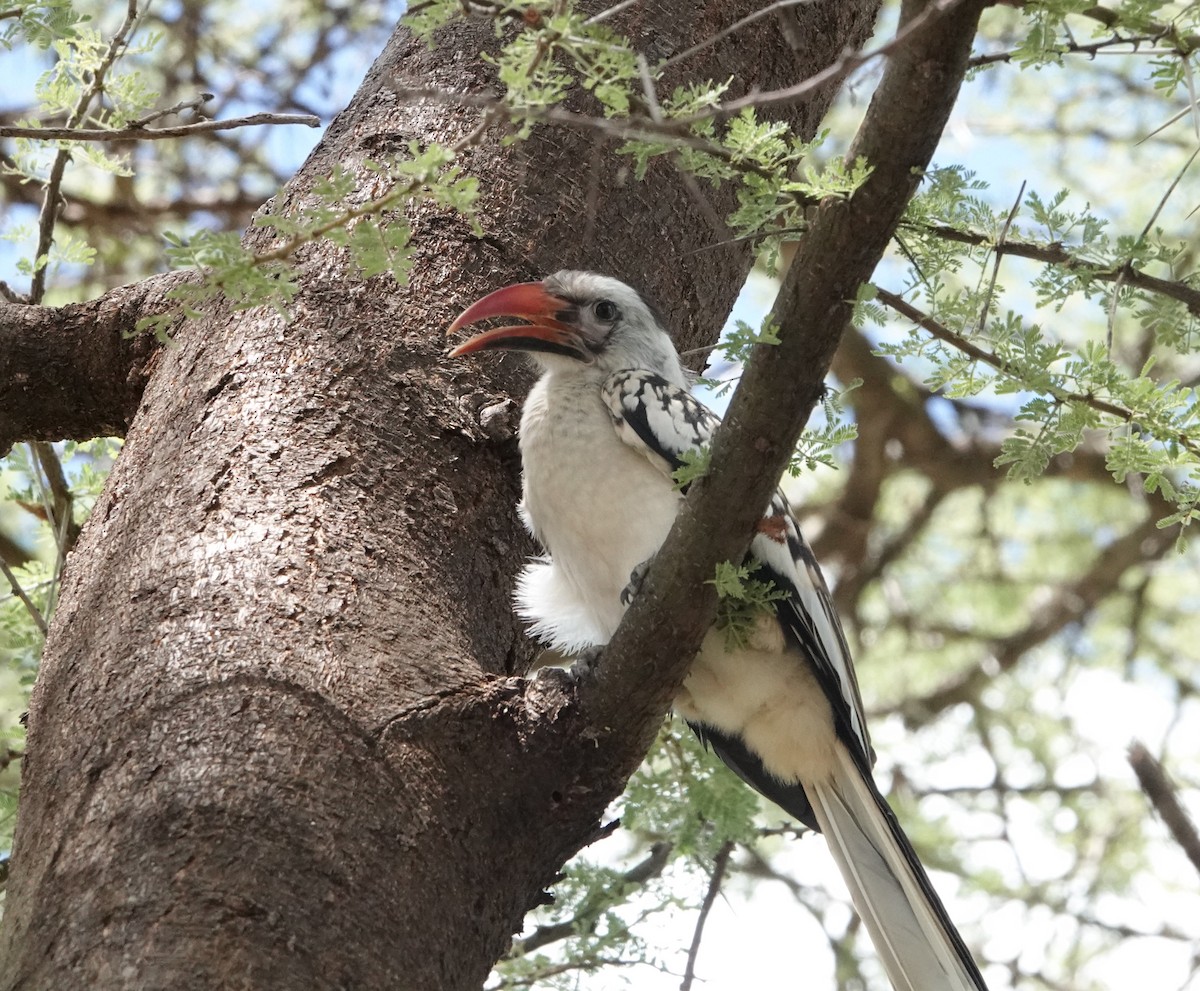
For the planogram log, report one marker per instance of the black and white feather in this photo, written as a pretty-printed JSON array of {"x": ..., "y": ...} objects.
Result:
[
  {"x": 664, "y": 422},
  {"x": 885, "y": 876}
]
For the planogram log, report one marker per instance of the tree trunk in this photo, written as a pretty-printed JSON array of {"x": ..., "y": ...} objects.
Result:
[{"x": 277, "y": 738}]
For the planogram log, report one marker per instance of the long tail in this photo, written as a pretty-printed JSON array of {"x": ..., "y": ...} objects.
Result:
[{"x": 914, "y": 937}]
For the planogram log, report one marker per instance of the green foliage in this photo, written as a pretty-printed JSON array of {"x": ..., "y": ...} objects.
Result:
[
  {"x": 683, "y": 794},
  {"x": 1068, "y": 384},
  {"x": 743, "y": 601},
  {"x": 67, "y": 91},
  {"x": 775, "y": 172},
  {"x": 1055, "y": 28},
  {"x": 740, "y": 341},
  {"x": 40, "y": 24},
  {"x": 83, "y": 55},
  {"x": 735, "y": 345},
  {"x": 823, "y": 443},
  {"x": 66, "y": 249},
  {"x": 694, "y": 465},
  {"x": 557, "y": 47},
  {"x": 375, "y": 236},
  {"x": 680, "y": 807},
  {"x": 425, "y": 17},
  {"x": 590, "y": 904}
]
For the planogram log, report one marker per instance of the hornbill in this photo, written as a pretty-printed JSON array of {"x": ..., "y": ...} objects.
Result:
[{"x": 601, "y": 433}]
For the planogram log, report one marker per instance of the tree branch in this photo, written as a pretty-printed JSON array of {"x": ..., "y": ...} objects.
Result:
[
  {"x": 767, "y": 11},
  {"x": 30, "y": 607},
  {"x": 71, "y": 372},
  {"x": 1160, "y": 790},
  {"x": 898, "y": 412},
  {"x": 137, "y": 132},
  {"x": 781, "y": 384},
  {"x": 1092, "y": 49},
  {"x": 57, "y": 496},
  {"x": 1057, "y": 254},
  {"x": 720, "y": 863},
  {"x": 1184, "y": 44},
  {"x": 50, "y": 199}
]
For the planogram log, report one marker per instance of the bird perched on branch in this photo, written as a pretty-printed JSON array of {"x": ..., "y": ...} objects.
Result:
[{"x": 602, "y": 431}]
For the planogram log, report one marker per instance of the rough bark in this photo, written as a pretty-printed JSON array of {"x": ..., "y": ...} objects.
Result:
[{"x": 275, "y": 740}]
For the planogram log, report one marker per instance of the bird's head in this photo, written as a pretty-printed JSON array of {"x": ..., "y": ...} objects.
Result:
[{"x": 580, "y": 323}]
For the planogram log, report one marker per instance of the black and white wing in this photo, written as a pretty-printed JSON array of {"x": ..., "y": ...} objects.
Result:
[
  {"x": 663, "y": 421},
  {"x": 917, "y": 942}
]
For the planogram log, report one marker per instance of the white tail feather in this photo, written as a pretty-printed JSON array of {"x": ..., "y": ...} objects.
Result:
[{"x": 909, "y": 930}]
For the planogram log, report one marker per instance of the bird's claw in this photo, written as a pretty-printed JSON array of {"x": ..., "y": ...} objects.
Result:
[
  {"x": 585, "y": 664},
  {"x": 636, "y": 577}
]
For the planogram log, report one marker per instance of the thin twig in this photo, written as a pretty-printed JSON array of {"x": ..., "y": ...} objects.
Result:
[
  {"x": 677, "y": 132},
  {"x": 669, "y": 133},
  {"x": 35, "y": 613},
  {"x": 586, "y": 966},
  {"x": 1124, "y": 270},
  {"x": 1047, "y": 253},
  {"x": 1056, "y": 254},
  {"x": 59, "y": 502},
  {"x": 8, "y": 293},
  {"x": 991, "y": 290},
  {"x": 51, "y": 191},
  {"x": 1092, "y": 49},
  {"x": 650, "y": 867},
  {"x": 972, "y": 350},
  {"x": 61, "y": 499},
  {"x": 1161, "y": 792},
  {"x": 673, "y": 133},
  {"x": 734, "y": 27},
  {"x": 611, "y": 11},
  {"x": 1190, "y": 79},
  {"x": 835, "y": 72},
  {"x": 689, "y": 181},
  {"x": 135, "y": 132},
  {"x": 1173, "y": 119},
  {"x": 194, "y": 105},
  {"x": 288, "y": 247},
  {"x": 720, "y": 863},
  {"x": 1183, "y": 44}
]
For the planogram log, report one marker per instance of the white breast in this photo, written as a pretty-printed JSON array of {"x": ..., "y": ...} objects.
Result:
[{"x": 599, "y": 508}]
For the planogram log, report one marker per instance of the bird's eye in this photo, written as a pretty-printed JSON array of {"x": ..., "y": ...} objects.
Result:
[{"x": 606, "y": 310}]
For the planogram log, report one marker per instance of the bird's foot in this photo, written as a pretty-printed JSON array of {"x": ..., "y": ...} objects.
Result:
[
  {"x": 636, "y": 577},
  {"x": 585, "y": 664}
]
